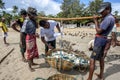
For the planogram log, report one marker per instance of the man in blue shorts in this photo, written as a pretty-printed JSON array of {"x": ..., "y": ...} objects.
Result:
[{"x": 102, "y": 31}]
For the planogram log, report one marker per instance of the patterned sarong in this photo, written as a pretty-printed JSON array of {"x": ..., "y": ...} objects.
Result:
[{"x": 31, "y": 47}]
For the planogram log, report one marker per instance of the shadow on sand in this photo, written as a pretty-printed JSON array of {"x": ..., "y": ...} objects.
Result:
[
  {"x": 112, "y": 70},
  {"x": 114, "y": 57},
  {"x": 14, "y": 43}
]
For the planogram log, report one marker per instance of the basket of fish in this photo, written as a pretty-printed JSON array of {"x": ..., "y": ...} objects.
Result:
[
  {"x": 66, "y": 60},
  {"x": 59, "y": 77}
]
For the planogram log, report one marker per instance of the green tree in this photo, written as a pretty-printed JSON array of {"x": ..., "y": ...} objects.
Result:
[
  {"x": 94, "y": 6},
  {"x": 2, "y": 5},
  {"x": 15, "y": 9},
  {"x": 116, "y": 13},
  {"x": 8, "y": 18},
  {"x": 71, "y": 8},
  {"x": 3, "y": 12},
  {"x": 60, "y": 14},
  {"x": 50, "y": 15}
]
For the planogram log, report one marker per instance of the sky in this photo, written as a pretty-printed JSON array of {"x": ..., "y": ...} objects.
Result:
[{"x": 50, "y": 6}]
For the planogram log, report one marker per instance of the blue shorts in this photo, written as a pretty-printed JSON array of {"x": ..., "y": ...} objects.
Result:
[
  {"x": 98, "y": 49},
  {"x": 98, "y": 52},
  {"x": 52, "y": 43}
]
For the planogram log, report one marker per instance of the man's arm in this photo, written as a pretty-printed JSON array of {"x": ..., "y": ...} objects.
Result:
[
  {"x": 58, "y": 27},
  {"x": 97, "y": 27},
  {"x": 14, "y": 26},
  {"x": 44, "y": 41}
]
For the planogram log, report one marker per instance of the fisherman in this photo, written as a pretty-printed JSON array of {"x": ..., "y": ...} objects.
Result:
[
  {"x": 29, "y": 28},
  {"x": 14, "y": 25},
  {"x": 102, "y": 31},
  {"x": 47, "y": 34}
]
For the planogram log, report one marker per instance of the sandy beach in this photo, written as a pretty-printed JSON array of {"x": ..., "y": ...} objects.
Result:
[{"x": 13, "y": 68}]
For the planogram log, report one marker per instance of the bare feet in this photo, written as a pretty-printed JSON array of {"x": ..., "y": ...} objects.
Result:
[
  {"x": 24, "y": 60},
  {"x": 32, "y": 70},
  {"x": 99, "y": 76},
  {"x": 6, "y": 44},
  {"x": 33, "y": 64}
]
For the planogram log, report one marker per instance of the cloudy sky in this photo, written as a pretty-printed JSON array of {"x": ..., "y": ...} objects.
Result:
[{"x": 49, "y": 6}]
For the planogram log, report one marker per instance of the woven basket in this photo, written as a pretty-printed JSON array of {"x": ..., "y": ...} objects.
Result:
[
  {"x": 82, "y": 68},
  {"x": 59, "y": 63},
  {"x": 61, "y": 77}
]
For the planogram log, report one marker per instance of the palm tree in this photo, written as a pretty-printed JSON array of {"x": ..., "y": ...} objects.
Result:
[
  {"x": 2, "y": 4},
  {"x": 116, "y": 13},
  {"x": 15, "y": 9}
]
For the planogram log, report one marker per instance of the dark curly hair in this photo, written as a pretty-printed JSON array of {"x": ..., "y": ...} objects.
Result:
[
  {"x": 23, "y": 12},
  {"x": 42, "y": 23}
]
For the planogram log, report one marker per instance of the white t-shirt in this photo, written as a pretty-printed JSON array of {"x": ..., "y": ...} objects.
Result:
[{"x": 48, "y": 33}]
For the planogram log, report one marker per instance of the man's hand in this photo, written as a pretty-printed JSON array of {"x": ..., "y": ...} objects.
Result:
[
  {"x": 49, "y": 46},
  {"x": 95, "y": 18},
  {"x": 37, "y": 35}
]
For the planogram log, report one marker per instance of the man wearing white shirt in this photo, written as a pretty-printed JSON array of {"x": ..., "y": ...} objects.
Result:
[{"x": 47, "y": 34}]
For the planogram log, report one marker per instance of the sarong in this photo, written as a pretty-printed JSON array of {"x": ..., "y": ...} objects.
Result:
[{"x": 31, "y": 47}]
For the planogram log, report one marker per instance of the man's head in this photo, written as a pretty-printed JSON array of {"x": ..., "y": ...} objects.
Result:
[
  {"x": 23, "y": 13},
  {"x": 105, "y": 8},
  {"x": 3, "y": 19},
  {"x": 44, "y": 24},
  {"x": 32, "y": 12}
]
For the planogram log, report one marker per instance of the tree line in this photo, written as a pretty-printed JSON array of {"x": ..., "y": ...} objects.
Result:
[{"x": 69, "y": 9}]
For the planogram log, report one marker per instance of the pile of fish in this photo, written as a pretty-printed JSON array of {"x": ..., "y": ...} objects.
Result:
[{"x": 69, "y": 57}]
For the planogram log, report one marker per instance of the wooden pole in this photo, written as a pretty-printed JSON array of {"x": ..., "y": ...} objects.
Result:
[
  {"x": 6, "y": 55},
  {"x": 63, "y": 19}
]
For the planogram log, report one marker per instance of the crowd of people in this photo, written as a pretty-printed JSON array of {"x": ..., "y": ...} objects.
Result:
[{"x": 28, "y": 26}]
